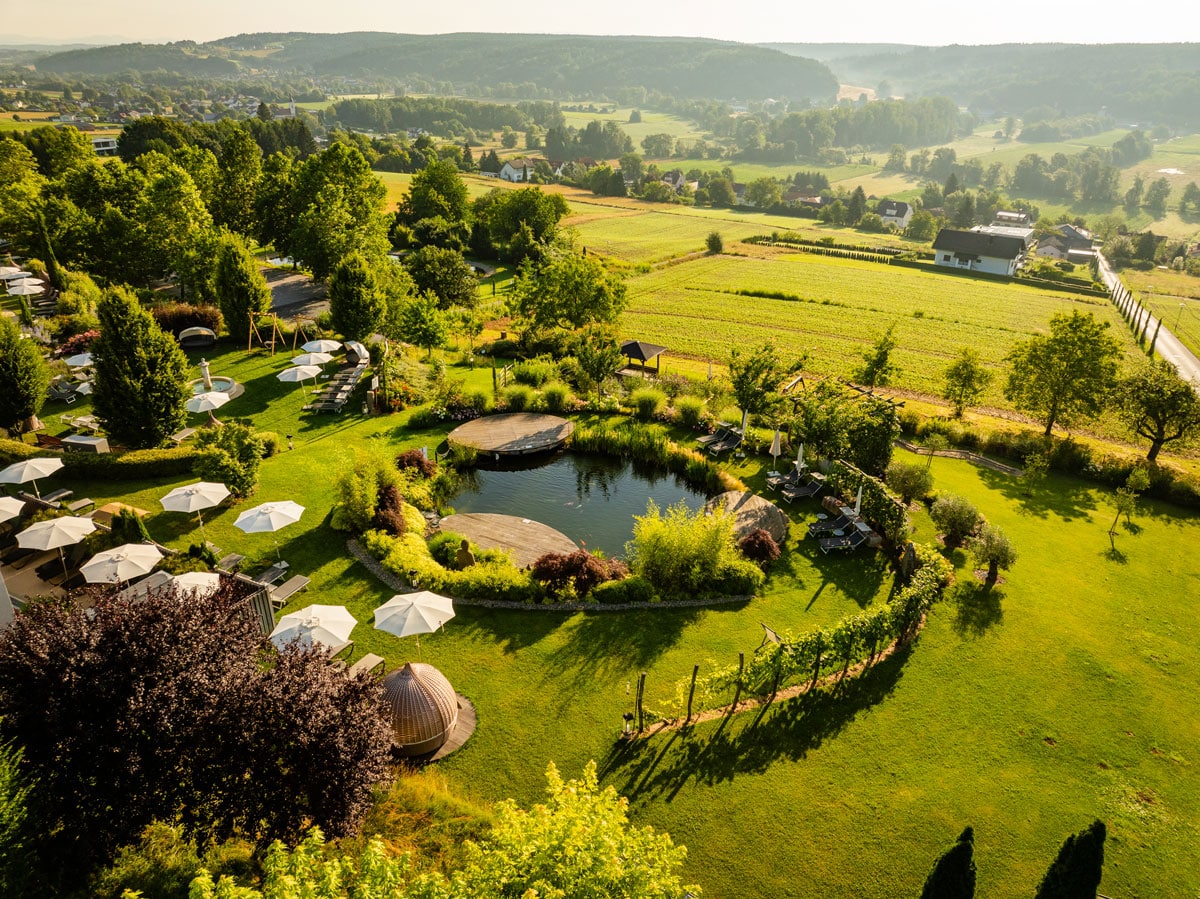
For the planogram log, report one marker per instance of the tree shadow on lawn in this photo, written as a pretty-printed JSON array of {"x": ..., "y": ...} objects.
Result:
[
  {"x": 602, "y": 644},
  {"x": 977, "y": 608},
  {"x": 751, "y": 742},
  {"x": 512, "y": 630},
  {"x": 1067, "y": 498},
  {"x": 858, "y": 575}
]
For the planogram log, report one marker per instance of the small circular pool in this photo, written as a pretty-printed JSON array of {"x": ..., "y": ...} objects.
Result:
[
  {"x": 219, "y": 385},
  {"x": 590, "y": 498}
]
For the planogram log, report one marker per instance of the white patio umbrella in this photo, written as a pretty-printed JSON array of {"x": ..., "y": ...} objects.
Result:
[
  {"x": 81, "y": 360},
  {"x": 321, "y": 346},
  {"x": 85, "y": 388},
  {"x": 26, "y": 289},
  {"x": 311, "y": 359},
  {"x": 194, "y": 497},
  {"x": 858, "y": 502},
  {"x": 268, "y": 518},
  {"x": 800, "y": 458},
  {"x": 55, "y": 533},
  {"x": 202, "y": 583},
  {"x": 299, "y": 373},
  {"x": 207, "y": 402},
  {"x": 30, "y": 470},
  {"x": 10, "y": 507},
  {"x": 10, "y": 273},
  {"x": 326, "y": 626},
  {"x": 122, "y": 563},
  {"x": 412, "y": 614},
  {"x": 745, "y": 422},
  {"x": 776, "y": 448}
]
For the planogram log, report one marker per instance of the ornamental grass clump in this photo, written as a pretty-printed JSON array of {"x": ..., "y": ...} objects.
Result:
[{"x": 686, "y": 554}]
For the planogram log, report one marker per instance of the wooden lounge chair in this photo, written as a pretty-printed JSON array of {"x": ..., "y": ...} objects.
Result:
[
  {"x": 844, "y": 544},
  {"x": 285, "y": 591}
]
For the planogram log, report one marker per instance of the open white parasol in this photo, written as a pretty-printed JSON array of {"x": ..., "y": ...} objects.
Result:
[
  {"x": 321, "y": 346},
  {"x": 122, "y": 563},
  {"x": 194, "y": 497},
  {"x": 315, "y": 625},
  {"x": 269, "y": 518},
  {"x": 413, "y": 614},
  {"x": 30, "y": 470}
]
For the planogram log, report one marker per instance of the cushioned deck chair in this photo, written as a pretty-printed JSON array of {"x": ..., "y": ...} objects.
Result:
[
  {"x": 844, "y": 544},
  {"x": 821, "y": 528},
  {"x": 722, "y": 446},
  {"x": 810, "y": 486}
]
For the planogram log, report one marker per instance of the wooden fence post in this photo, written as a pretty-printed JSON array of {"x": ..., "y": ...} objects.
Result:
[
  {"x": 641, "y": 689},
  {"x": 738, "y": 692},
  {"x": 691, "y": 693}
]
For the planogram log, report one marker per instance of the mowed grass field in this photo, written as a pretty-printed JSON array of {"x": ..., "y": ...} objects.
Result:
[{"x": 692, "y": 309}]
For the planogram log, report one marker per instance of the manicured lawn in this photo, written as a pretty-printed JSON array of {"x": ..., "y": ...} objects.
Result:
[{"x": 1065, "y": 694}]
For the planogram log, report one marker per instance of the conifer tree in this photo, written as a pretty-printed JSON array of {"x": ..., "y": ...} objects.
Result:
[
  {"x": 1076, "y": 872},
  {"x": 953, "y": 876}
]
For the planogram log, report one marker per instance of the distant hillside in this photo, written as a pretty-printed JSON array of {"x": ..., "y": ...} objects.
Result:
[
  {"x": 567, "y": 65},
  {"x": 830, "y": 52},
  {"x": 1133, "y": 82},
  {"x": 185, "y": 58}
]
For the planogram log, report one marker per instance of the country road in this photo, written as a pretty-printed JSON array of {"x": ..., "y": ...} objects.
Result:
[{"x": 1168, "y": 345}]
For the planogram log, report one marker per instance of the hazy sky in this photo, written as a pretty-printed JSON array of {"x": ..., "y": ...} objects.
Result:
[{"x": 920, "y": 22}]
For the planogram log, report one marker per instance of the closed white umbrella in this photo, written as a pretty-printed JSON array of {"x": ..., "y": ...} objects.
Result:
[
  {"x": 776, "y": 448},
  {"x": 268, "y": 518},
  {"x": 745, "y": 422},
  {"x": 321, "y": 346},
  {"x": 800, "y": 458},
  {"x": 122, "y": 563},
  {"x": 194, "y": 497},
  {"x": 311, "y": 359},
  {"x": 10, "y": 507},
  {"x": 30, "y": 470},
  {"x": 315, "y": 625},
  {"x": 858, "y": 502},
  {"x": 81, "y": 360},
  {"x": 202, "y": 583},
  {"x": 55, "y": 533}
]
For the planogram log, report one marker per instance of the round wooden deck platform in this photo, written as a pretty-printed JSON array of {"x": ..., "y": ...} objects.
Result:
[
  {"x": 514, "y": 433},
  {"x": 526, "y": 539},
  {"x": 752, "y": 512}
]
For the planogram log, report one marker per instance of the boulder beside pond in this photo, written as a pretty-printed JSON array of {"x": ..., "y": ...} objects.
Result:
[{"x": 752, "y": 512}]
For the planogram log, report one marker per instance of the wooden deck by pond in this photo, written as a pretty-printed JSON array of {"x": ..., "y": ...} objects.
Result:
[
  {"x": 526, "y": 539},
  {"x": 514, "y": 433}
]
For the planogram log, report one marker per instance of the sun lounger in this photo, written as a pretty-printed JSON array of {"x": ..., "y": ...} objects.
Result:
[
  {"x": 80, "y": 504},
  {"x": 179, "y": 436},
  {"x": 821, "y": 528},
  {"x": 721, "y": 446},
  {"x": 370, "y": 663},
  {"x": 810, "y": 486},
  {"x": 716, "y": 436},
  {"x": 844, "y": 543},
  {"x": 281, "y": 594},
  {"x": 230, "y": 563}
]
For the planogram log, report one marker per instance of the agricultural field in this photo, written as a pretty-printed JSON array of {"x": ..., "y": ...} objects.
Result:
[
  {"x": 651, "y": 123},
  {"x": 1173, "y": 297},
  {"x": 23, "y": 121},
  {"x": 844, "y": 305}
]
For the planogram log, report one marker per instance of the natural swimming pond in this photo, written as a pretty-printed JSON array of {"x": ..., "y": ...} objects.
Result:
[{"x": 590, "y": 498}]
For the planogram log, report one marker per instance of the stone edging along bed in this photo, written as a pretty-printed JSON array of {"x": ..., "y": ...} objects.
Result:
[{"x": 397, "y": 583}]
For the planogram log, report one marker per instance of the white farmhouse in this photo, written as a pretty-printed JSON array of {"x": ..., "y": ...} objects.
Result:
[
  {"x": 979, "y": 251},
  {"x": 895, "y": 213}
]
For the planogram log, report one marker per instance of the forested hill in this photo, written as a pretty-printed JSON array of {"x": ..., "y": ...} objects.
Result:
[
  {"x": 1136, "y": 83},
  {"x": 562, "y": 65}
]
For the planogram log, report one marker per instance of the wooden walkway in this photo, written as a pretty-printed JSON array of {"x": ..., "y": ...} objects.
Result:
[
  {"x": 527, "y": 540},
  {"x": 513, "y": 434},
  {"x": 752, "y": 512}
]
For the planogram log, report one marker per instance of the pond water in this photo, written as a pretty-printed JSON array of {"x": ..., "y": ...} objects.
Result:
[{"x": 590, "y": 498}]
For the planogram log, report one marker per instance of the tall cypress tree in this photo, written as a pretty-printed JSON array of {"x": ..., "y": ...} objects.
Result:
[
  {"x": 141, "y": 374},
  {"x": 240, "y": 287},
  {"x": 24, "y": 379},
  {"x": 355, "y": 301},
  {"x": 1076, "y": 872},
  {"x": 953, "y": 876}
]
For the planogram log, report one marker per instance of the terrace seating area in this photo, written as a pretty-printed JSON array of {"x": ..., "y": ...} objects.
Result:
[{"x": 841, "y": 529}]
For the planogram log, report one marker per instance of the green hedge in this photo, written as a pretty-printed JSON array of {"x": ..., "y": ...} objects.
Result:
[{"x": 133, "y": 465}]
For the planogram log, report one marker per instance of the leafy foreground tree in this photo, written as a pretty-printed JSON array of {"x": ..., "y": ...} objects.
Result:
[
  {"x": 24, "y": 379},
  {"x": 579, "y": 843},
  {"x": 1158, "y": 405},
  {"x": 953, "y": 876},
  {"x": 599, "y": 354},
  {"x": 141, "y": 374},
  {"x": 14, "y": 797},
  {"x": 239, "y": 284},
  {"x": 167, "y": 710},
  {"x": 1077, "y": 871},
  {"x": 757, "y": 376},
  {"x": 1125, "y": 500},
  {"x": 356, "y": 304},
  {"x": 877, "y": 368},
  {"x": 1065, "y": 374},
  {"x": 909, "y": 480},
  {"x": 230, "y": 455},
  {"x": 991, "y": 547},
  {"x": 567, "y": 291},
  {"x": 966, "y": 380}
]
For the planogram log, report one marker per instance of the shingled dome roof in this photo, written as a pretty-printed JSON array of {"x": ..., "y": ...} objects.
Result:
[{"x": 423, "y": 708}]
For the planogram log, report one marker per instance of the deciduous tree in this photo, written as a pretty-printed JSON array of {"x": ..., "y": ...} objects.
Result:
[
  {"x": 355, "y": 302},
  {"x": 141, "y": 374},
  {"x": 1157, "y": 404},
  {"x": 239, "y": 284},
  {"x": 567, "y": 291},
  {"x": 599, "y": 354},
  {"x": 444, "y": 273},
  {"x": 877, "y": 368},
  {"x": 965, "y": 381},
  {"x": 1065, "y": 374},
  {"x": 756, "y": 377}
]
